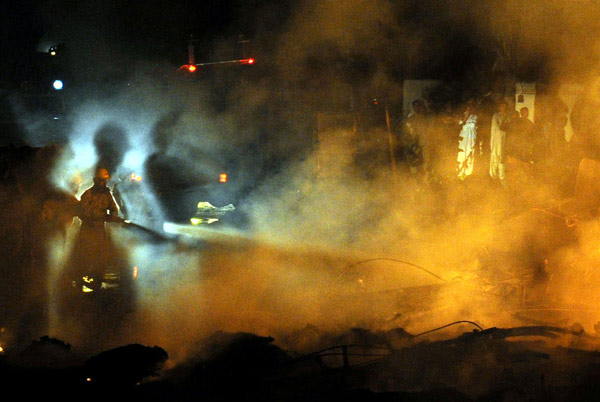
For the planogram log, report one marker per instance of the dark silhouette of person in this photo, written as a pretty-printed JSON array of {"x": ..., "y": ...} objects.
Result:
[
  {"x": 111, "y": 143},
  {"x": 166, "y": 173}
]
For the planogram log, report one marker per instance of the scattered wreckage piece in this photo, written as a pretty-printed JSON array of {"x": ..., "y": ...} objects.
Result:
[{"x": 520, "y": 363}]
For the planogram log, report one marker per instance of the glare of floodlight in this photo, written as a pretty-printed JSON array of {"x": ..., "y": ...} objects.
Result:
[{"x": 57, "y": 84}]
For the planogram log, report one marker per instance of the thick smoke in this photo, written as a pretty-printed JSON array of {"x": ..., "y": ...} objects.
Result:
[{"x": 376, "y": 251}]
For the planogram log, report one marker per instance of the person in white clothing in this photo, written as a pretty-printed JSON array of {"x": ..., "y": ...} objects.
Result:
[
  {"x": 497, "y": 142},
  {"x": 466, "y": 144}
]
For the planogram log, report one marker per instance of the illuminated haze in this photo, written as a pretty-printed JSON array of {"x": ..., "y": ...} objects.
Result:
[{"x": 318, "y": 251}]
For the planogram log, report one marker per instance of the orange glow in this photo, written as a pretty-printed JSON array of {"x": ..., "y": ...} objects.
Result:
[
  {"x": 247, "y": 61},
  {"x": 191, "y": 68},
  {"x": 134, "y": 177},
  {"x": 223, "y": 178},
  {"x": 135, "y": 272}
]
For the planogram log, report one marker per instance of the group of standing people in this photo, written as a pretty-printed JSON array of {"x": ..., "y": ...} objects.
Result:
[{"x": 426, "y": 139}]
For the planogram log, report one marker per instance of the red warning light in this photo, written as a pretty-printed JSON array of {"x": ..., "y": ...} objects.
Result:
[
  {"x": 191, "y": 68},
  {"x": 223, "y": 178},
  {"x": 247, "y": 61}
]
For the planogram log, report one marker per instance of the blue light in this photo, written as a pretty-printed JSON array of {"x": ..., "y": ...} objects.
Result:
[{"x": 57, "y": 84}]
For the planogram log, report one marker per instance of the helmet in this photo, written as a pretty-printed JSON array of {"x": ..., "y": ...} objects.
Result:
[{"x": 102, "y": 173}]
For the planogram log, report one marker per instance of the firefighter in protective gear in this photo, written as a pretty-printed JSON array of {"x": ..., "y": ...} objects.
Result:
[
  {"x": 97, "y": 203},
  {"x": 97, "y": 206}
]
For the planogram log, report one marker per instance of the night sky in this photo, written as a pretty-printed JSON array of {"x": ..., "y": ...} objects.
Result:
[
  {"x": 113, "y": 37},
  {"x": 417, "y": 39}
]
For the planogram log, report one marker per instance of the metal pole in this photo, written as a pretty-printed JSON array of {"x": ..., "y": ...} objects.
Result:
[
  {"x": 392, "y": 144},
  {"x": 191, "y": 52}
]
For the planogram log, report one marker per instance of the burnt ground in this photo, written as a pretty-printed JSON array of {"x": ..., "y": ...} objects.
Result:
[{"x": 534, "y": 363}]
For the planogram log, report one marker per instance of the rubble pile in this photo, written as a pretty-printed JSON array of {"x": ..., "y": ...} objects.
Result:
[{"x": 532, "y": 363}]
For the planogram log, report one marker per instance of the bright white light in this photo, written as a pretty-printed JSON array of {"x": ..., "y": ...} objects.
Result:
[
  {"x": 134, "y": 159},
  {"x": 57, "y": 84}
]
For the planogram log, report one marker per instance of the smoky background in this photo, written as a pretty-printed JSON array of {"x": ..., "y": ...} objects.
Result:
[{"x": 327, "y": 253}]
